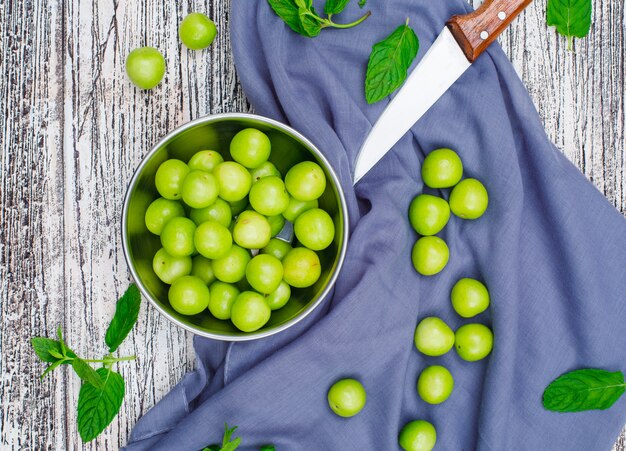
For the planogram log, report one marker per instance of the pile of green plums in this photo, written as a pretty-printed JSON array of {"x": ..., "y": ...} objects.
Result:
[
  {"x": 428, "y": 214},
  {"x": 217, "y": 221},
  {"x": 433, "y": 337}
]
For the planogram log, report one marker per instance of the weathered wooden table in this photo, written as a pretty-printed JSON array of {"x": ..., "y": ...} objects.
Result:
[{"x": 73, "y": 129}]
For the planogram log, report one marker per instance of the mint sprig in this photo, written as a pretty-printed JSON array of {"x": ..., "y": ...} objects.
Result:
[
  {"x": 102, "y": 391},
  {"x": 231, "y": 445},
  {"x": 587, "y": 389},
  {"x": 572, "y": 18},
  {"x": 389, "y": 62},
  {"x": 301, "y": 17},
  {"x": 227, "y": 443}
]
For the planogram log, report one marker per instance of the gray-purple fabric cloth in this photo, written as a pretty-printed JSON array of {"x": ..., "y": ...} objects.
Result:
[{"x": 550, "y": 248}]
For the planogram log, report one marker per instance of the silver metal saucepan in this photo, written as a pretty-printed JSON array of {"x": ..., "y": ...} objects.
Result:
[{"x": 215, "y": 132}]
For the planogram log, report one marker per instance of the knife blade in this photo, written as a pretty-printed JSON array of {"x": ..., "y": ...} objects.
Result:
[{"x": 463, "y": 39}]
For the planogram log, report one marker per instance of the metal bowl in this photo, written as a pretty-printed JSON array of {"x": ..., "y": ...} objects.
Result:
[{"x": 215, "y": 132}]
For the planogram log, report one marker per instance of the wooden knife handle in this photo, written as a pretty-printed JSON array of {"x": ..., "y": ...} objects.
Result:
[{"x": 477, "y": 30}]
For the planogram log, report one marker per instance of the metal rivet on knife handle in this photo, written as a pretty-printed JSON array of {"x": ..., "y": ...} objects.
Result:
[{"x": 491, "y": 19}]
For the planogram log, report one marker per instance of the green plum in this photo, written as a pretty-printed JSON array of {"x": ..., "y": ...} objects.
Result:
[
  {"x": 469, "y": 297},
  {"x": 197, "y": 31},
  {"x": 347, "y": 397},
  {"x": 203, "y": 269},
  {"x": 231, "y": 268},
  {"x": 276, "y": 224},
  {"x": 428, "y": 214},
  {"x": 169, "y": 178},
  {"x": 219, "y": 212},
  {"x": 315, "y": 229},
  {"x": 264, "y": 170},
  {"x": 297, "y": 207},
  {"x": 430, "y": 255},
  {"x": 252, "y": 230},
  {"x": 212, "y": 240},
  {"x": 301, "y": 267},
  {"x": 250, "y": 147},
  {"x": 264, "y": 273},
  {"x": 169, "y": 268},
  {"x": 199, "y": 189},
  {"x": 305, "y": 181},
  {"x": 223, "y": 297},
  {"x": 234, "y": 181},
  {"x": 177, "y": 237},
  {"x": 278, "y": 298},
  {"x": 250, "y": 312},
  {"x": 160, "y": 212},
  {"x": 189, "y": 295},
  {"x": 268, "y": 196},
  {"x": 418, "y": 435},
  {"x": 442, "y": 168},
  {"x": 433, "y": 337},
  {"x": 277, "y": 248},
  {"x": 473, "y": 342},
  {"x": 469, "y": 199},
  {"x": 145, "y": 67},
  {"x": 238, "y": 206},
  {"x": 205, "y": 160},
  {"x": 435, "y": 384}
]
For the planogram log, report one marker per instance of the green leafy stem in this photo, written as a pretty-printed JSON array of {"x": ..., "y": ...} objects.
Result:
[
  {"x": 301, "y": 17},
  {"x": 231, "y": 444},
  {"x": 328, "y": 22},
  {"x": 109, "y": 360},
  {"x": 102, "y": 391}
]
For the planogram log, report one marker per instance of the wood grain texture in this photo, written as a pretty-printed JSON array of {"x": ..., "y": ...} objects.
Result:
[
  {"x": 72, "y": 130},
  {"x": 474, "y": 32}
]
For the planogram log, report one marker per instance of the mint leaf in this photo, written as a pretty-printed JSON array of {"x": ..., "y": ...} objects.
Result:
[
  {"x": 572, "y": 18},
  {"x": 311, "y": 27},
  {"x": 228, "y": 433},
  {"x": 362, "y": 3},
  {"x": 87, "y": 373},
  {"x": 52, "y": 366},
  {"x": 227, "y": 444},
  {"x": 288, "y": 11},
  {"x": 587, "y": 389},
  {"x": 47, "y": 349},
  {"x": 55, "y": 353},
  {"x": 389, "y": 61},
  {"x": 231, "y": 446},
  {"x": 125, "y": 317},
  {"x": 98, "y": 406},
  {"x": 212, "y": 448},
  {"x": 64, "y": 348},
  {"x": 268, "y": 448},
  {"x": 335, "y": 6}
]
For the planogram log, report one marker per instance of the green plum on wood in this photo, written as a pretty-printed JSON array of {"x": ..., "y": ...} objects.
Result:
[{"x": 145, "y": 67}]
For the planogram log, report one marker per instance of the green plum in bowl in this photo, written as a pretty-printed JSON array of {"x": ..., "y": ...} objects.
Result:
[{"x": 209, "y": 140}]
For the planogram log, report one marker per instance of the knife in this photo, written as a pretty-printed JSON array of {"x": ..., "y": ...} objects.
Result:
[{"x": 463, "y": 39}]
